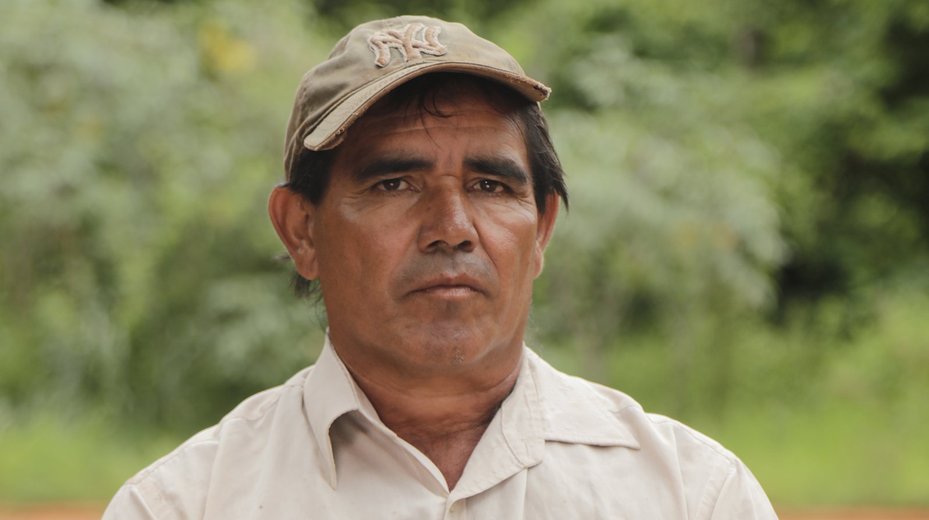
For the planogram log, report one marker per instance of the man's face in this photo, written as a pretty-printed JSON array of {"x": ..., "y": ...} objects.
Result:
[{"x": 428, "y": 240}]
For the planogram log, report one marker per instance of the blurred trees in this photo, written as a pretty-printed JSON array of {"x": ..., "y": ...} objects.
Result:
[
  {"x": 138, "y": 149},
  {"x": 739, "y": 171},
  {"x": 742, "y": 160}
]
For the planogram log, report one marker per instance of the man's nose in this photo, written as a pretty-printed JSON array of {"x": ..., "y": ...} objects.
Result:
[{"x": 447, "y": 222}]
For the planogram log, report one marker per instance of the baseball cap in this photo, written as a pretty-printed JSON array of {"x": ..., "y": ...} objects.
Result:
[{"x": 376, "y": 57}]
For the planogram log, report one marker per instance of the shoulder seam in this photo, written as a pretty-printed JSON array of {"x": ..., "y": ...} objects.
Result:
[
  {"x": 699, "y": 437},
  {"x": 711, "y": 498}
]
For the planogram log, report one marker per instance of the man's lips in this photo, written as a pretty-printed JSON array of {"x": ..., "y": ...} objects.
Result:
[{"x": 450, "y": 285}]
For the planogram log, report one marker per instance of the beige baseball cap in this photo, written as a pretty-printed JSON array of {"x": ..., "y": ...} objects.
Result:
[{"x": 376, "y": 57}]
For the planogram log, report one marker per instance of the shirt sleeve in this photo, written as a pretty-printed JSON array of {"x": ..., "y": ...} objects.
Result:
[{"x": 741, "y": 497}]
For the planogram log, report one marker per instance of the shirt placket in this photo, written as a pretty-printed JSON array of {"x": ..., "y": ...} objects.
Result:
[{"x": 456, "y": 509}]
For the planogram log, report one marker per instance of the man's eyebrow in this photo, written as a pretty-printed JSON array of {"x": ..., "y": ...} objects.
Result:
[
  {"x": 391, "y": 164},
  {"x": 499, "y": 166}
]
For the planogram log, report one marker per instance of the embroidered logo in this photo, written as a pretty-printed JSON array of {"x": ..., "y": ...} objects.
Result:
[{"x": 412, "y": 41}]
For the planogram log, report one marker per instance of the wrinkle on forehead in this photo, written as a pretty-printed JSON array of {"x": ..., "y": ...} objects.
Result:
[
  {"x": 464, "y": 110},
  {"x": 430, "y": 108}
]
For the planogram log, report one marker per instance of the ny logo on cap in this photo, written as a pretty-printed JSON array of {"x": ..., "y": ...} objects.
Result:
[{"x": 412, "y": 41}]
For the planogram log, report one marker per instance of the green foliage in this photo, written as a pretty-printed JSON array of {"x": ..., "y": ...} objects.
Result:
[
  {"x": 728, "y": 161},
  {"x": 746, "y": 248},
  {"x": 51, "y": 458},
  {"x": 834, "y": 454},
  {"x": 138, "y": 154}
]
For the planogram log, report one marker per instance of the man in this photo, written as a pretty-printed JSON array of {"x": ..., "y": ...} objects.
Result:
[{"x": 422, "y": 190}]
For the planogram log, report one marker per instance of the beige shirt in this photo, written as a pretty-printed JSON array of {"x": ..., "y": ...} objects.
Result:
[{"x": 559, "y": 447}]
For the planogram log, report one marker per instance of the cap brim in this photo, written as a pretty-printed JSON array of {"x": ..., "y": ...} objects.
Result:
[{"x": 331, "y": 129}]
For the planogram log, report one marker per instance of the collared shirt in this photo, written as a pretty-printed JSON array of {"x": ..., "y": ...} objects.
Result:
[{"x": 559, "y": 447}]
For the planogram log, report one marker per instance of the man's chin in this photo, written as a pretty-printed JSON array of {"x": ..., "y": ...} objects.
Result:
[{"x": 455, "y": 345}]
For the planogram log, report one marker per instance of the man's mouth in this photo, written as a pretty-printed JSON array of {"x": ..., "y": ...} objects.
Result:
[{"x": 450, "y": 286}]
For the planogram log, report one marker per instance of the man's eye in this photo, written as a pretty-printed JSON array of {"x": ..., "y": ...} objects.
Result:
[
  {"x": 392, "y": 185},
  {"x": 490, "y": 186}
]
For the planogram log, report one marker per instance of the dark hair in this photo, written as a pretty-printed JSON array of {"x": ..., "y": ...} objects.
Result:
[{"x": 310, "y": 174}]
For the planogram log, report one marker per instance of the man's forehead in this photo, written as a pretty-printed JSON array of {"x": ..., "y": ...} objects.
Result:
[
  {"x": 439, "y": 107},
  {"x": 410, "y": 128},
  {"x": 445, "y": 112}
]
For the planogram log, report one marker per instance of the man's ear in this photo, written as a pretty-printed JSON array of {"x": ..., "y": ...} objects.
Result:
[
  {"x": 292, "y": 216},
  {"x": 546, "y": 227}
]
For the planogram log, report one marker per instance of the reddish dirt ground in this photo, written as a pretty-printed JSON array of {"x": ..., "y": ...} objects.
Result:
[
  {"x": 93, "y": 512},
  {"x": 856, "y": 514},
  {"x": 52, "y": 512}
]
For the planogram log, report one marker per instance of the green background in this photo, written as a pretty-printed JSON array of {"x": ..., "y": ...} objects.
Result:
[{"x": 746, "y": 248}]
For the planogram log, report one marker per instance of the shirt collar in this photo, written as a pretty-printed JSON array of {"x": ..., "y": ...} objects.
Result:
[
  {"x": 545, "y": 405},
  {"x": 575, "y": 411},
  {"x": 329, "y": 392}
]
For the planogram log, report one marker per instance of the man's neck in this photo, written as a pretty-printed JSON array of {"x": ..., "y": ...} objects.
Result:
[{"x": 445, "y": 425}]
